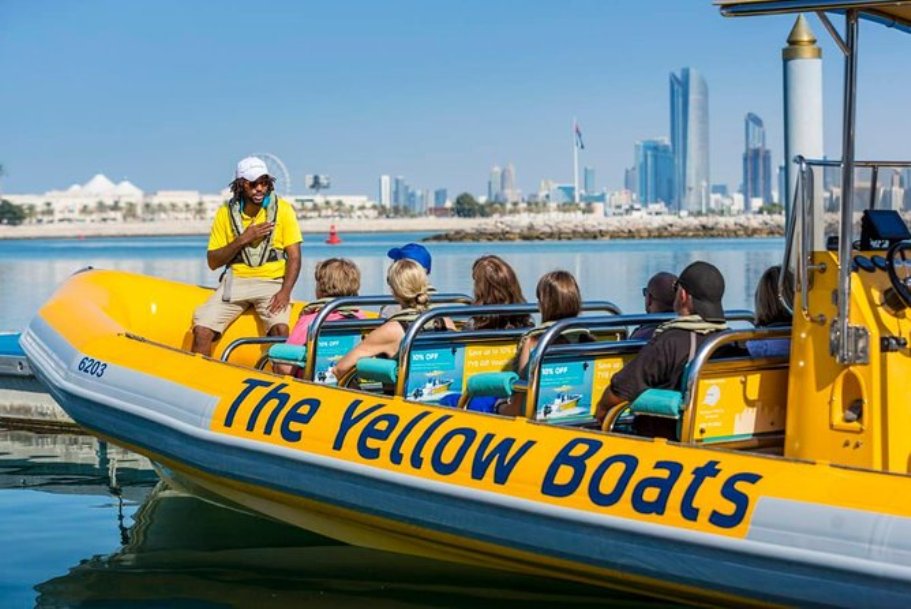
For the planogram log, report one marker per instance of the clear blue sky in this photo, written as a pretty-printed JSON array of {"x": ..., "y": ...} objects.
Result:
[{"x": 169, "y": 94}]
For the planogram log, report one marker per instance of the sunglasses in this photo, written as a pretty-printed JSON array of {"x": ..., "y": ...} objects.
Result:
[
  {"x": 644, "y": 292},
  {"x": 263, "y": 182}
]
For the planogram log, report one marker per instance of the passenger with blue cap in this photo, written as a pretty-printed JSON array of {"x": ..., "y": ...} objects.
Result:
[
  {"x": 409, "y": 251},
  {"x": 412, "y": 251}
]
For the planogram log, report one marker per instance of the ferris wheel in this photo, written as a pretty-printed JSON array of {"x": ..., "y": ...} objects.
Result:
[{"x": 278, "y": 171}]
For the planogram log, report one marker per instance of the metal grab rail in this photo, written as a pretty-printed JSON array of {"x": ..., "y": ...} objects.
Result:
[
  {"x": 545, "y": 343},
  {"x": 250, "y": 340},
  {"x": 707, "y": 350},
  {"x": 359, "y": 301},
  {"x": 474, "y": 311}
]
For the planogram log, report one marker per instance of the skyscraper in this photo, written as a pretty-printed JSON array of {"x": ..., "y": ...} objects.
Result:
[
  {"x": 508, "y": 184},
  {"x": 690, "y": 140},
  {"x": 493, "y": 184},
  {"x": 757, "y": 164},
  {"x": 631, "y": 180},
  {"x": 440, "y": 196},
  {"x": 588, "y": 181},
  {"x": 385, "y": 191},
  {"x": 654, "y": 171},
  {"x": 400, "y": 192}
]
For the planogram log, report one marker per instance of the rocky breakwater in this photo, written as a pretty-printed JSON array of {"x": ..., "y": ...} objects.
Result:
[{"x": 617, "y": 227}]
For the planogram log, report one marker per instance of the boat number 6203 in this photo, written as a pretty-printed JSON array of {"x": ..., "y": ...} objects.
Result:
[{"x": 92, "y": 367}]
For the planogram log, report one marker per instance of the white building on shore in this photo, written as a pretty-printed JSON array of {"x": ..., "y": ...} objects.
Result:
[
  {"x": 98, "y": 200},
  {"x": 101, "y": 200}
]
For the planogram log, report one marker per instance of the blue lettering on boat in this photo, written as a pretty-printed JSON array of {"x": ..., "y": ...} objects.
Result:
[
  {"x": 650, "y": 495},
  {"x": 273, "y": 403},
  {"x": 262, "y": 406},
  {"x": 377, "y": 433}
]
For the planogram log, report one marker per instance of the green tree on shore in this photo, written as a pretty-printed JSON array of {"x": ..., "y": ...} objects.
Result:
[
  {"x": 466, "y": 206},
  {"x": 11, "y": 214}
]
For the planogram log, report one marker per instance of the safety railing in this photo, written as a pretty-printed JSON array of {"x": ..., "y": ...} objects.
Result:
[
  {"x": 320, "y": 321},
  {"x": 711, "y": 346},
  {"x": 414, "y": 330},
  {"x": 341, "y": 325},
  {"x": 547, "y": 348}
]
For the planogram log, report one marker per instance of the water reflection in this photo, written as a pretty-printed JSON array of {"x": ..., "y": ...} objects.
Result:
[
  {"x": 181, "y": 551},
  {"x": 92, "y": 527},
  {"x": 613, "y": 270},
  {"x": 71, "y": 464}
]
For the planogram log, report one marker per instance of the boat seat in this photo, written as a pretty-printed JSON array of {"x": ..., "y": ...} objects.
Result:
[
  {"x": 283, "y": 353},
  {"x": 658, "y": 403},
  {"x": 378, "y": 370},
  {"x": 492, "y": 385}
]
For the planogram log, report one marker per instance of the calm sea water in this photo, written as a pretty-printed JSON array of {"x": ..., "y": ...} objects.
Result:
[
  {"x": 612, "y": 270},
  {"x": 85, "y": 524}
]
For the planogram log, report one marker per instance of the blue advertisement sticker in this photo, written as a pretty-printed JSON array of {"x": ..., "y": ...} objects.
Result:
[
  {"x": 564, "y": 392},
  {"x": 330, "y": 349},
  {"x": 434, "y": 373}
]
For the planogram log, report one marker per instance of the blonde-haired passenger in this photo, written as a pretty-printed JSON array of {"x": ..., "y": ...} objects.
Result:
[
  {"x": 335, "y": 278},
  {"x": 411, "y": 289}
]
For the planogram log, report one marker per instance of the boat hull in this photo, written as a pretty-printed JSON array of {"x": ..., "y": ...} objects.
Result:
[{"x": 608, "y": 510}]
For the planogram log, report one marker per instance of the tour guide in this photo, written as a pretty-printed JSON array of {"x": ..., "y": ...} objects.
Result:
[{"x": 252, "y": 236}]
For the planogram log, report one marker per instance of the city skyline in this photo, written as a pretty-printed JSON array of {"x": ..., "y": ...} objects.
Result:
[{"x": 172, "y": 108}]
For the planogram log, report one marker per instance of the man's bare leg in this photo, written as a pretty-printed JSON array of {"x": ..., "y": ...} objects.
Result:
[{"x": 202, "y": 340}]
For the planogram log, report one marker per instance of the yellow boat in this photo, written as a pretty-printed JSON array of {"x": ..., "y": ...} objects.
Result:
[{"x": 788, "y": 483}]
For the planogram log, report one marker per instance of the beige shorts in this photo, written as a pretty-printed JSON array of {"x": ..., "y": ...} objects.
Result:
[{"x": 217, "y": 314}]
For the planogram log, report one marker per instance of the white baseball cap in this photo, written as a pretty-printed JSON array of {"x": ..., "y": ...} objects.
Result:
[{"x": 251, "y": 169}]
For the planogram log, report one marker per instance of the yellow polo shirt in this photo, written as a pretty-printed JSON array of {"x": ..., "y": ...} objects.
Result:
[{"x": 286, "y": 232}]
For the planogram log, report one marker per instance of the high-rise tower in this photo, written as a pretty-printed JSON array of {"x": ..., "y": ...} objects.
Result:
[
  {"x": 385, "y": 191},
  {"x": 508, "y": 184},
  {"x": 654, "y": 171},
  {"x": 493, "y": 184},
  {"x": 690, "y": 140},
  {"x": 757, "y": 164}
]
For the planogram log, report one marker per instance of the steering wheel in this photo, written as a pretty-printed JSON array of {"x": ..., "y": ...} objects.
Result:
[{"x": 899, "y": 284}]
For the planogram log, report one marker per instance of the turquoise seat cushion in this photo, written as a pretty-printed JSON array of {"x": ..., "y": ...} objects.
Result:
[
  {"x": 492, "y": 384},
  {"x": 288, "y": 353},
  {"x": 659, "y": 403},
  {"x": 377, "y": 369}
]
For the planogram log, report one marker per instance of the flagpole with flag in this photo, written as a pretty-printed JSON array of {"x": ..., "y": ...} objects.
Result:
[{"x": 577, "y": 145}]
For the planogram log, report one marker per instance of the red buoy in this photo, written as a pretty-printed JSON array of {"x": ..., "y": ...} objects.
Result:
[{"x": 333, "y": 236}]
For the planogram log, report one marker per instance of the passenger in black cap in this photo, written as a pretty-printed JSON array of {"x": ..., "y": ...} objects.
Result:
[{"x": 660, "y": 363}]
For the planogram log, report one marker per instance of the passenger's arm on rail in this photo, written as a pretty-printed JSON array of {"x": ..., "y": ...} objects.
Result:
[{"x": 385, "y": 340}]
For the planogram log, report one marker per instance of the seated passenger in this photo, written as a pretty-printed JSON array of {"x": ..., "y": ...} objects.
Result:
[
  {"x": 771, "y": 313},
  {"x": 335, "y": 278},
  {"x": 495, "y": 283},
  {"x": 661, "y": 363},
  {"x": 659, "y": 298},
  {"x": 408, "y": 282},
  {"x": 558, "y": 298},
  {"x": 409, "y": 251}
]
